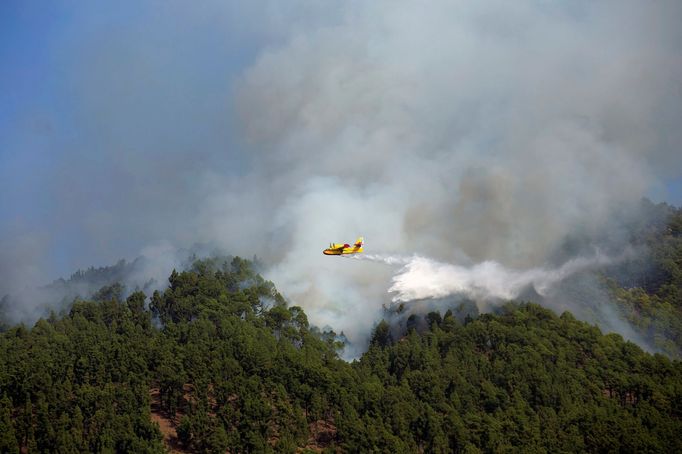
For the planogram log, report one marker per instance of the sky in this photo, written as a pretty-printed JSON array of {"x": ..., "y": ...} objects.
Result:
[{"x": 460, "y": 131}]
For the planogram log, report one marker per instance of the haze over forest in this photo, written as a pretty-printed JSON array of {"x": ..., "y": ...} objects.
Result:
[{"x": 171, "y": 173}]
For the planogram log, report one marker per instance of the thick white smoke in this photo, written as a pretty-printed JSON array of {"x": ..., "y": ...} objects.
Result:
[{"x": 472, "y": 133}]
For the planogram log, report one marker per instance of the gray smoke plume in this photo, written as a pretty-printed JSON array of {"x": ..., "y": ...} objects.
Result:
[{"x": 467, "y": 132}]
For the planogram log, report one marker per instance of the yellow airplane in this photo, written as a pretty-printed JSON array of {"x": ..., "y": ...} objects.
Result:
[{"x": 343, "y": 249}]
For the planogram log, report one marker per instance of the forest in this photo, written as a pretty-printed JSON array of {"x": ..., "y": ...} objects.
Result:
[{"x": 219, "y": 362}]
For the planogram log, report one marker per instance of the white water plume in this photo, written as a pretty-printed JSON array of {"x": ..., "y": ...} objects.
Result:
[
  {"x": 384, "y": 258},
  {"x": 424, "y": 278}
]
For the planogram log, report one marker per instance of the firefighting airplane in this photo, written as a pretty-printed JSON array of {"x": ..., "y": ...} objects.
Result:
[{"x": 343, "y": 249}]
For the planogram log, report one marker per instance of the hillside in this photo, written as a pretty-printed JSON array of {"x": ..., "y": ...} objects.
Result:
[
  {"x": 220, "y": 360},
  {"x": 648, "y": 288}
]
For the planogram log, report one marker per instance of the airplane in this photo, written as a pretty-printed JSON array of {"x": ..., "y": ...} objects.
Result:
[{"x": 344, "y": 249}]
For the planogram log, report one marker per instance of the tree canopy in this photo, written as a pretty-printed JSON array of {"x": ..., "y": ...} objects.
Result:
[
  {"x": 222, "y": 356},
  {"x": 219, "y": 362}
]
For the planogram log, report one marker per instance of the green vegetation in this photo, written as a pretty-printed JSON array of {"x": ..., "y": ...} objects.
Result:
[
  {"x": 234, "y": 365},
  {"x": 221, "y": 354},
  {"x": 648, "y": 288},
  {"x": 523, "y": 380}
]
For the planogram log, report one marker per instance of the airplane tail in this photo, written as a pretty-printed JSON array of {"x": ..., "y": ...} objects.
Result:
[{"x": 359, "y": 242}]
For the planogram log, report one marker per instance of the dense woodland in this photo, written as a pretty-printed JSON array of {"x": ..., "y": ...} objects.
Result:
[
  {"x": 648, "y": 288},
  {"x": 221, "y": 355}
]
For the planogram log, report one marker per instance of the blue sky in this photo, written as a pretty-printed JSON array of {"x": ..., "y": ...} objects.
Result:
[{"x": 49, "y": 134}]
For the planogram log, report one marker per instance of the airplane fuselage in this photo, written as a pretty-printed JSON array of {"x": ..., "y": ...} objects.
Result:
[
  {"x": 341, "y": 250},
  {"x": 344, "y": 248}
]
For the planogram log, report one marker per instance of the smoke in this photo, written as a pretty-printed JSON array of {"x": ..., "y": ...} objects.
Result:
[
  {"x": 482, "y": 134},
  {"x": 148, "y": 272}
]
